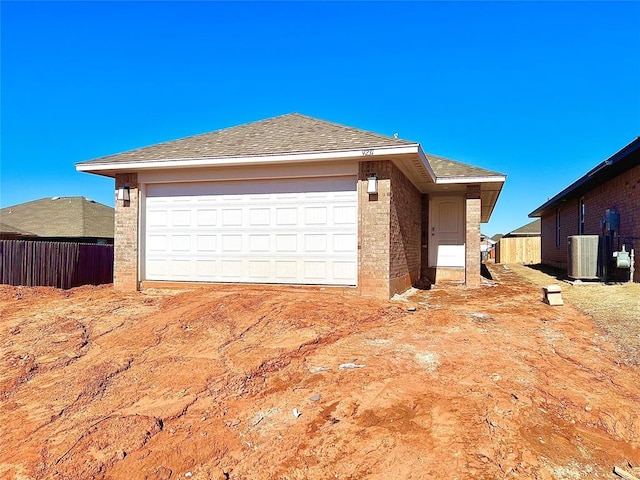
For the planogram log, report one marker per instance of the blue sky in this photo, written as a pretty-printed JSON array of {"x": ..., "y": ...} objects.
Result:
[{"x": 541, "y": 91}]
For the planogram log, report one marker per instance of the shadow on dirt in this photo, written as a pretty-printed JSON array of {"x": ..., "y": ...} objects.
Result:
[
  {"x": 557, "y": 273},
  {"x": 484, "y": 271}
]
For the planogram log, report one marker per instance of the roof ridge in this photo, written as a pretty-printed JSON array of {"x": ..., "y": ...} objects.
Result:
[
  {"x": 342, "y": 125},
  {"x": 290, "y": 133}
]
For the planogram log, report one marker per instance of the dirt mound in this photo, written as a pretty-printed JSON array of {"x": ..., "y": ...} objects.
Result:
[{"x": 288, "y": 383}]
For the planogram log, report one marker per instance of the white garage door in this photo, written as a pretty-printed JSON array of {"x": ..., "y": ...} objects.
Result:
[{"x": 300, "y": 231}]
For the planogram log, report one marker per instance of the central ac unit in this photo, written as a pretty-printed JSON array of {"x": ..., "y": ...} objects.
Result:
[{"x": 582, "y": 257}]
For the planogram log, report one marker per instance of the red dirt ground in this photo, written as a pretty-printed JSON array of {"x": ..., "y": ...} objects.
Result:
[{"x": 488, "y": 383}]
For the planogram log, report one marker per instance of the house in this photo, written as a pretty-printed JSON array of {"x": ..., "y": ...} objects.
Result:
[
  {"x": 486, "y": 246},
  {"x": 521, "y": 245},
  {"x": 60, "y": 242},
  {"x": 296, "y": 200},
  {"x": 60, "y": 219},
  {"x": 605, "y": 201},
  {"x": 7, "y": 232}
]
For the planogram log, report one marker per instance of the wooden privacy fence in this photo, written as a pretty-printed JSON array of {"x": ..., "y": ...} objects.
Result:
[
  {"x": 518, "y": 250},
  {"x": 55, "y": 264}
]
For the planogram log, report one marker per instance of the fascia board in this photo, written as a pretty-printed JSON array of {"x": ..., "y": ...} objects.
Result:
[
  {"x": 445, "y": 180},
  {"x": 426, "y": 164},
  {"x": 363, "y": 153}
]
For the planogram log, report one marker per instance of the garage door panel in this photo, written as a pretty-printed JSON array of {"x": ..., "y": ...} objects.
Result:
[
  {"x": 206, "y": 269},
  {"x": 289, "y": 231},
  {"x": 207, "y": 217},
  {"x": 315, "y": 242},
  {"x": 316, "y": 215},
  {"x": 157, "y": 243},
  {"x": 344, "y": 242},
  {"x": 180, "y": 268},
  {"x": 157, "y": 268},
  {"x": 231, "y": 217},
  {"x": 259, "y": 270},
  {"x": 286, "y": 243},
  {"x": 344, "y": 270},
  {"x": 286, "y": 270},
  {"x": 181, "y": 243},
  {"x": 345, "y": 215},
  {"x": 206, "y": 243},
  {"x": 315, "y": 270},
  {"x": 156, "y": 218},
  {"x": 259, "y": 243},
  {"x": 259, "y": 217},
  {"x": 181, "y": 218},
  {"x": 231, "y": 269},
  {"x": 286, "y": 216},
  {"x": 231, "y": 243}
]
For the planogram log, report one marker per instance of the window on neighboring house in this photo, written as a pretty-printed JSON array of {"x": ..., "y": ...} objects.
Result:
[
  {"x": 557, "y": 227},
  {"x": 581, "y": 216}
]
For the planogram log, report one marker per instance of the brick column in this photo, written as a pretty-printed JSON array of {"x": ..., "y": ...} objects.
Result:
[
  {"x": 373, "y": 230},
  {"x": 472, "y": 241},
  {"x": 424, "y": 255},
  {"x": 125, "y": 268}
]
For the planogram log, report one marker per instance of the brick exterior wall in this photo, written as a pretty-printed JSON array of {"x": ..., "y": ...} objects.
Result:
[
  {"x": 373, "y": 230},
  {"x": 405, "y": 233},
  {"x": 472, "y": 240},
  {"x": 125, "y": 268},
  {"x": 389, "y": 231},
  {"x": 621, "y": 193}
]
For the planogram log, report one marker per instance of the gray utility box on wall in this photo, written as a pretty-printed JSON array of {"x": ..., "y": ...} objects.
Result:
[{"x": 582, "y": 257}]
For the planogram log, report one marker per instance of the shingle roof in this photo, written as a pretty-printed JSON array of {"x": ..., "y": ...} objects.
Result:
[
  {"x": 285, "y": 134},
  {"x": 447, "y": 168},
  {"x": 4, "y": 228},
  {"x": 61, "y": 217},
  {"x": 529, "y": 229}
]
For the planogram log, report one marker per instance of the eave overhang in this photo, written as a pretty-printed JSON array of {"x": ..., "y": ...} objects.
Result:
[
  {"x": 618, "y": 163},
  {"x": 410, "y": 159},
  {"x": 110, "y": 169}
]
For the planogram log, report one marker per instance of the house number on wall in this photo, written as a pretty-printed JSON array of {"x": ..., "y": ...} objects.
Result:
[{"x": 368, "y": 151}]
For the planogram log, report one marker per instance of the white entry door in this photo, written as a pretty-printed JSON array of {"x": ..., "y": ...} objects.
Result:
[
  {"x": 446, "y": 232},
  {"x": 299, "y": 231}
]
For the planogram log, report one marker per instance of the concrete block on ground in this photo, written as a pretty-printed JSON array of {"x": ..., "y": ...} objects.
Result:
[{"x": 552, "y": 295}]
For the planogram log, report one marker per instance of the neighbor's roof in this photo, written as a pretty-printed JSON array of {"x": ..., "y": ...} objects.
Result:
[
  {"x": 620, "y": 162},
  {"x": 4, "y": 228},
  {"x": 285, "y": 134},
  {"x": 528, "y": 230},
  {"x": 60, "y": 217}
]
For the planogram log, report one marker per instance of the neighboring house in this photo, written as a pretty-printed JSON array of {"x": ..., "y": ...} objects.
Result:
[
  {"x": 7, "y": 232},
  {"x": 605, "y": 201},
  {"x": 531, "y": 229},
  {"x": 59, "y": 219},
  {"x": 521, "y": 245},
  {"x": 296, "y": 200},
  {"x": 486, "y": 246}
]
